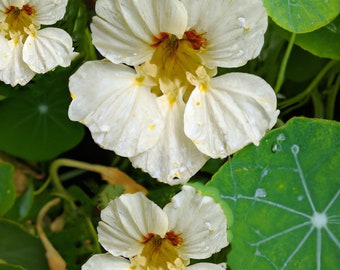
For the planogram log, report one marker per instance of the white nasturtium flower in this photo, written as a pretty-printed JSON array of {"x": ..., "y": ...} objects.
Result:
[
  {"x": 25, "y": 48},
  {"x": 169, "y": 113},
  {"x": 140, "y": 235}
]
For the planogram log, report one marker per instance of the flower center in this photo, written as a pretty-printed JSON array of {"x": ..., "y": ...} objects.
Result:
[
  {"x": 160, "y": 253},
  {"x": 173, "y": 58},
  {"x": 19, "y": 19}
]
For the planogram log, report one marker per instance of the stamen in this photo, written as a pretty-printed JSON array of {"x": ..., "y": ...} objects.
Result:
[{"x": 18, "y": 20}]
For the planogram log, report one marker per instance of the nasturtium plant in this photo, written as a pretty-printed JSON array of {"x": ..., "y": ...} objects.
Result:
[
  {"x": 302, "y": 16},
  {"x": 285, "y": 196},
  {"x": 7, "y": 189},
  {"x": 176, "y": 67}
]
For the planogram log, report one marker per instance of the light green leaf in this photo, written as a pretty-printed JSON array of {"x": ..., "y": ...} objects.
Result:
[
  {"x": 302, "y": 16},
  {"x": 7, "y": 189},
  {"x": 324, "y": 42},
  {"x": 20, "y": 248},
  {"x": 22, "y": 205},
  {"x": 285, "y": 197},
  {"x": 34, "y": 121}
]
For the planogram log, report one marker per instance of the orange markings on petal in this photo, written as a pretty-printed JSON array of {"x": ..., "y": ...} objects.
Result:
[
  {"x": 147, "y": 238},
  {"x": 29, "y": 10},
  {"x": 158, "y": 40},
  {"x": 197, "y": 40},
  {"x": 175, "y": 239}
]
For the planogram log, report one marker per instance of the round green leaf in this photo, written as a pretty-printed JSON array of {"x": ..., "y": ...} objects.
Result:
[
  {"x": 302, "y": 16},
  {"x": 7, "y": 189},
  {"x": 20, "y": 248},
  {"x": 285, "y": 196},
  {"x": 324, "y": 42},
  {"x": 34, "y": 121}
]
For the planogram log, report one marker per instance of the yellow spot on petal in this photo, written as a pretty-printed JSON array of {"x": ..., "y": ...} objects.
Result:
[
  {"x": 73, "y": 96},
  {"x": 151, "y": 127}
]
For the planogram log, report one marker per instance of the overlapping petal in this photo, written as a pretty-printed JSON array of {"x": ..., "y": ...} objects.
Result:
[
  {"x": 5, "y": 52},
  {"x": 127, "y": 221},
  {"x": 16, "y": 71},
  {"x": 234, "y": 29},
  {"x": 206, "y": 266},
  {"x": 200, "y": 222},
  {"x": 47, "y": 49},
  {"x": 235, "y": 110},
  {"x": 106, "y": 262},
  {"x": 49, "y": 11},
  {"x": 124, "y": 30},
  {"x": 174, "y": 159},
  {"x": 122, "y": 114}
]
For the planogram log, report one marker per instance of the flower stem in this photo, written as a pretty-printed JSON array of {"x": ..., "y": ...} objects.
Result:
[{"x": 283, "y": 66}]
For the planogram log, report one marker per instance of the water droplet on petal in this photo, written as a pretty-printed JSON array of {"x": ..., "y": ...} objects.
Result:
[
  {"x": 105, "y": 128},
  {"x": 242, "y": 21}
]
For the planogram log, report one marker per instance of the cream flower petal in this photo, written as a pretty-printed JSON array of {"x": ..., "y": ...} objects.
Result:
[
  {"x": 16, "y": 72},
  {"x": 174, "y": 159},
  {"x": 7, "y": 3},
  {"x": 48, "y": 11},
  {"x": 124, "y": 30},
  {"x": 237, "y": 109},
  {"x": 199, "y": 221},
  {"x": 126, "y": 221},
  {"x": 123, "y": 115},
  {"x": 106, "y": 262},
  {"x": 5, "y": 53},
  {"x": 206, "y": 266},
  {"x": 47, "y": 49},
  {"x": 234, "y": 29}
]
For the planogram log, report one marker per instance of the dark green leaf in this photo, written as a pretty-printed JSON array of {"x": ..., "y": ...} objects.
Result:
[
  {"x": 7, "y": 189},
  {"x": 34, "y": 121},
  {"x": 21, "y": 248}
]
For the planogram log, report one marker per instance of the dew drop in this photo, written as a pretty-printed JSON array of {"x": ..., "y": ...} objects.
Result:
[
  {"x": 295, "y": 149},
  {"x": 281, "y": 137},
  {"x": 300, "y": 198},
  {"x": 105, "y": 128},
  {"x": 240, "y": 53},
  {"x": 276, "y": 147},
  {"x": 242, "y": 21},
  {"x": 260, "y": 192},
  {"x": 208, "y": 226}
]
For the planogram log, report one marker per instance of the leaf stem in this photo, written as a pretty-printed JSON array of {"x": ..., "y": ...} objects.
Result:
[
  {"x": 331, "y": 99},
  {"x": 283, "y": 66},
  {"x": 310, "y": 87}
]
